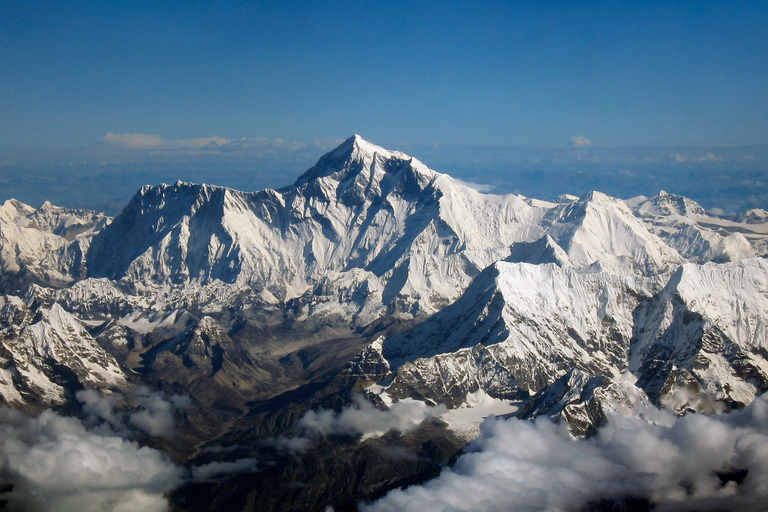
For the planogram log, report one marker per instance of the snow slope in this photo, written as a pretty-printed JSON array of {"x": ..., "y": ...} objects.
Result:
[
  {"x": 698, "y": 343},
  {"x": 45, "y": 245},
  {"x": 706, "y": 329},
  {"x": 516, "y": 329}
]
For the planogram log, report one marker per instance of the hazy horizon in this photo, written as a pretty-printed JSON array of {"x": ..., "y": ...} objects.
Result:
[{"x": 105, "y": 175}]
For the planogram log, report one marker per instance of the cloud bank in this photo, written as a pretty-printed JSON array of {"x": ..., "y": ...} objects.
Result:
[
  {"x": 61, "y": 463},
  {"x": 148, "y": 141},
  {"x": 55, "y": 463},
  {"x": 695, "y": 462},
  {"x": 687, "y": 158}
]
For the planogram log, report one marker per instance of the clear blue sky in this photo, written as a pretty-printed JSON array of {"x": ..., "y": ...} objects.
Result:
[{"x": 506, "y": 73}]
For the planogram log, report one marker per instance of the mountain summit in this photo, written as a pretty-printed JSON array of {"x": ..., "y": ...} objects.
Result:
[{"x": 355, "y": 156}]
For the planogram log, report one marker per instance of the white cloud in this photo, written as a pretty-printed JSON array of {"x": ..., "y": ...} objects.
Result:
[
  {"x": 156, "y": 414},
  {"x": 206, "y": 471},
  {"x": 580, "y": 141},
  {"x": 670, "y": 462},
  {"x": 55, "y": 463},
  {"x": 363, "y": 418},
  {"x": 290, "y": 443},
  {"x": 686, "y": 158},
  {"x": 153, "y": 413},
  {"x": 98, "y": 407},
  {"x": 261, "y": 145},
  {"x": 147, "y": 141}
]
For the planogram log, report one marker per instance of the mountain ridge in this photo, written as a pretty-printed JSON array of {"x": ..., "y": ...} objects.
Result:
[{"x": 372, "y": 274}]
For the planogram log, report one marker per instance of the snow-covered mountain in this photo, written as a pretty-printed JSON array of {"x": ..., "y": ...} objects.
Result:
[
  {"x": 47, "y": 355},
  {"x": 696, "y": 234},
  {"x": 517, "y": 328},
  {"x": 46, "y": 245},
  {"x": 520, "y": 328},
  {"x": 369, "y": 233},
  {"x": 602, "y": 232},
  {"x": 376, "y": 226},
  {"x": 706, "y": 329},
  {"x": 373, "y": 272}
]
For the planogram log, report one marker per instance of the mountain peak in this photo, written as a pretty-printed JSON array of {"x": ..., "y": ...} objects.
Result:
[
  {"x": 597, "y": 197},
  {"x": 356, "y": 155},
  {"x": 357, "y": 146},
  {"x": 670, "y": 204},
  {"x": 363, "y": 145}
]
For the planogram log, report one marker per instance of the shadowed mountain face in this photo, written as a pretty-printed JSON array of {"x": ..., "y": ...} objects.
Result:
[{"x": 250, "y": 323}]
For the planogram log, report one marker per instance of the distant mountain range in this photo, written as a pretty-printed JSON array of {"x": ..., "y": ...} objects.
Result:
[{"x": 373, "y": 274}]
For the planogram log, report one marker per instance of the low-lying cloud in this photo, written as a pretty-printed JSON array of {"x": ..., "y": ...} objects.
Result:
[
  {"x": 153, "y": 413},
  {"x": 55, "y": 463},
  {"x": 206, "y": 471},
  {"x": 156, "y": 414},
  {"x": 699, "y": 158},
  {"x": 363, "y": 418},
  {"x": 695, "y": 462},
  {"x": 61, "y": 463},
  {"x": 148, "y": 141}
]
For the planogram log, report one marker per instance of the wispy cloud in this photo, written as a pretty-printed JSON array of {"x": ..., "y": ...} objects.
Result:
[
  {"x": 143, "y": 141},
  {"x": 153, "y": 413},
  {"x": 580, "y": 141},
  {"x": 147, "y": 141},
  {"x": 480, "y": 187},
  {"x": 156, "y": 414},
  {"x": 696, "y": 462},
  {"x": 212, "y": 469},
  {"x": 686, "y": 158},
  {"x": 363, "y": 418}
]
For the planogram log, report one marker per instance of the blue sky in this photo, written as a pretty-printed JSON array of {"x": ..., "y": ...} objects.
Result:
[
  {"x": 102, "y": 81},
  {"x": 517, "y": 73}
]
